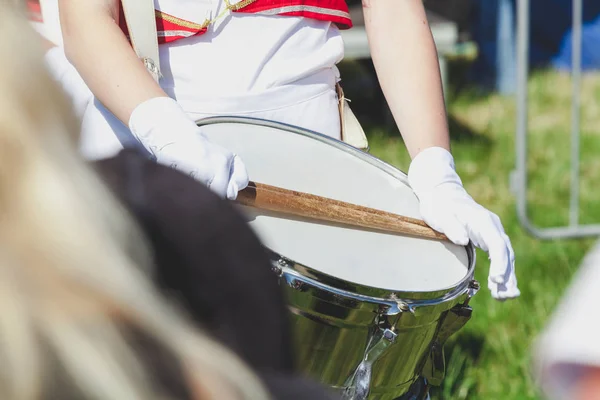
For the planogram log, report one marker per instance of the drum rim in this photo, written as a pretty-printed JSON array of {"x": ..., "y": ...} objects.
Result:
[
  {"x": 330, "y": 280},
  {"x": 361, "y": 292}
]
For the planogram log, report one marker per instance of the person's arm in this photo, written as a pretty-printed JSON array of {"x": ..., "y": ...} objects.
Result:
[
  {"x": 106, "y": 61},
  {"x": 95, "y": 44},
  {"x": 405, "y": 58}
]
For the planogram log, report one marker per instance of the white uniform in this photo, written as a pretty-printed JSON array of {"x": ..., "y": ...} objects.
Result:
[{"x": 271, "y": 67}]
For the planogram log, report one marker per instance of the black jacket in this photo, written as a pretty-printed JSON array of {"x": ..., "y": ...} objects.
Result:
[{"x": 209, "y": 259}]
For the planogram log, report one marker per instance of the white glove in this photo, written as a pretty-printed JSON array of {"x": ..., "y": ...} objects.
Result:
[
  {"x": 447, "y": 208},
  {"x": 165, "y": 130}
]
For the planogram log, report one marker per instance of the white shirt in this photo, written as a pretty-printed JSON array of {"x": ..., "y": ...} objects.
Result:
[
  {"x": 280, "y": 59},
  {"x": 248, "y": 62}
]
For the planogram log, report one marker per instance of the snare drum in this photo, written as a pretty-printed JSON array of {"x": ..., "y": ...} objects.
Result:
[{"x": 370, "y": 311}]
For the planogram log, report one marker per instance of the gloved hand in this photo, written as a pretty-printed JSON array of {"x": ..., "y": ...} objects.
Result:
[
  {"x": 165, "y": 130},
  {"x": 447, "y": 208}
]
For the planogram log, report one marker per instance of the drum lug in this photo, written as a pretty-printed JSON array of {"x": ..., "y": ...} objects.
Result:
[
  {"x": 401, "y": 305},
  {"x": 474, "y": 287},
  {"x": 278, "y": 268},
  {"x": 435, "y": 365},
  {"x": 359, "y": 384}
]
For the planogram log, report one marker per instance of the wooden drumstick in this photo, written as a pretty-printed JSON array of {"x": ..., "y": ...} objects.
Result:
[{"x": 272, "y": 198}]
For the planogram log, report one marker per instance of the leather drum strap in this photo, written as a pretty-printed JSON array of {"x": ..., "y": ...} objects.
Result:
[{"x": 141, "y": 23}]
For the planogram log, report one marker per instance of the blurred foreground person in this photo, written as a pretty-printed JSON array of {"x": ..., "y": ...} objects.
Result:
[
  {"x": 567, "y": 356},
  {"x": 45, "y": 20},
  {"x": 78, "y": 318},
  {"x": 204, "y": 250},
  {"x": 204, "y": 254}
]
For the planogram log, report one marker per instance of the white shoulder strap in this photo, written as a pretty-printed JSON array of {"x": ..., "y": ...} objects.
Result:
[{"x": 141, "y": 23}]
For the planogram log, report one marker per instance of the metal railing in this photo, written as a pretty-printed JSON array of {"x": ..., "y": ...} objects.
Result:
[{"x": 519, "y": 177}]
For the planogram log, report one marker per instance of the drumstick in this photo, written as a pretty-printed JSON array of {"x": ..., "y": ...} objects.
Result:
[{"x": 272, "y": 198}]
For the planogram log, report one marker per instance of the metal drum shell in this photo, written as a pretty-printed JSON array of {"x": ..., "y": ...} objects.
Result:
[{"x": 333, "y": 321}]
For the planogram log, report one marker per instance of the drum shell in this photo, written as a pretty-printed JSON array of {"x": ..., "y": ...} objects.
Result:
[{"x": 332, "y": 328}]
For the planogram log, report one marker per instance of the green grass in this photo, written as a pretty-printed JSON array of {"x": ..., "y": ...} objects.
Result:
[{"x": 490, "y": 357}]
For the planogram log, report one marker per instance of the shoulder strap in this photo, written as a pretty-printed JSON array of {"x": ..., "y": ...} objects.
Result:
[{"x": 141, "y": 23}]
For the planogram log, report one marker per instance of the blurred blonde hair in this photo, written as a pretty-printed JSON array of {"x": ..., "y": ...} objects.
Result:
[{"x": 73, "y": 266}]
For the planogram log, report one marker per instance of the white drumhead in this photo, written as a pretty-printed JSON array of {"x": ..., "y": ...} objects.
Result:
[{"x": 320, "y": 166}]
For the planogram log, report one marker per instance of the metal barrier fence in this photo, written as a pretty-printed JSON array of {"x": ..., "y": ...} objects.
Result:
[{"x": 519, "y": 177}]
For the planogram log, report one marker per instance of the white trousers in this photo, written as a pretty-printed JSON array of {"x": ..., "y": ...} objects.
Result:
[{"x": 103, "y": 135}]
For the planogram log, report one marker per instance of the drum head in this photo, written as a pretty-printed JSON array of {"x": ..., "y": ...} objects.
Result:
[{"x": 300, "y": 160}]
